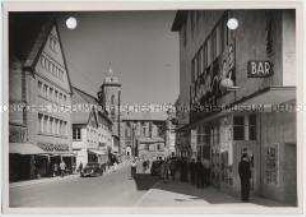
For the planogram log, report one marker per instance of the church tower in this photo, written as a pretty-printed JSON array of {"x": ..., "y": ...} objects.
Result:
[{"x": 109, "y": 98}]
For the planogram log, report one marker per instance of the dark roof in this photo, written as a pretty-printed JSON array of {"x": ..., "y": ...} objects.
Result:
[
  {"x": 179, "y": 20},
  {"x": 27, "y": 33},
  {"x": 80, "y": 97},
  {"x": 85, "y": 97}
]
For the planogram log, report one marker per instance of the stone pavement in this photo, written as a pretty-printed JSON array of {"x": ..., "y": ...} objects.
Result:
[{"x": 178, "y": 194}]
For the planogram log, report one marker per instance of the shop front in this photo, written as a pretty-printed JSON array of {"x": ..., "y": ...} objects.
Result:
[
  {"x": 54, "y": 154},
  {"x": 267, "y": 136},
  {"x": 24, "y": 159}
]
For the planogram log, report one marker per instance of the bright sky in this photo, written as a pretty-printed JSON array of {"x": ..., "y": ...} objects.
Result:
[{"x": 143, "y": 51}]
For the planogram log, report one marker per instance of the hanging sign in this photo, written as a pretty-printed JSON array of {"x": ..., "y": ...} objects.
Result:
[{"x": 259, "y": 69}]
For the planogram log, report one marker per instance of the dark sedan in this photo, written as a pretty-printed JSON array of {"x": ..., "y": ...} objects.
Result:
[{"x": 92, "y": 169}]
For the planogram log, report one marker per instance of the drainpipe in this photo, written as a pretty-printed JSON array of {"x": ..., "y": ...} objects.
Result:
[{"x": 260, "y": 153}]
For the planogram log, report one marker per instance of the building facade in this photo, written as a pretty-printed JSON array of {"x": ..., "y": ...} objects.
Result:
[
  {"x": 109, "y": 97},
  {"x": 237, "y": 82},
  {"x": 143, "y": 136},
  {"x": 39, "y": 93},
  {"x": 92, "y": 129}
]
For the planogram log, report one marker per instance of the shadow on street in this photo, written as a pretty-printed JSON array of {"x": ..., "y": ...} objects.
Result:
[
  {"x": 210, "y": 194},
  {"x": 144, "y": 181}
]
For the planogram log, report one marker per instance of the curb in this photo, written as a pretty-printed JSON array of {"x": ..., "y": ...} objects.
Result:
[{"x": 42, "y": 181}]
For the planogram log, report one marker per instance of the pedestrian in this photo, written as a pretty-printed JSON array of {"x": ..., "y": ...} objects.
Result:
[
  {"x": 244, "y": 169},
  {"x": 55, "y": 169},
  {"x": 144, "y": 166},
  {"x": 199, "y": 172},
  {"x": 184, "y": 170},
  {"x": 172, "y": 169},
  {"x": 80, "y": 167},
  {"x": 206, "y": 172},
  {"x": 133, "y": 168},
  {"x": 62, "y": 168},
  {"x": 192, "y": 171}
]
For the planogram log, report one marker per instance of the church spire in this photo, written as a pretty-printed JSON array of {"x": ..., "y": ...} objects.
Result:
[
  {"x": 110, "y": 77},
  {"x": 110, "y": 70}
]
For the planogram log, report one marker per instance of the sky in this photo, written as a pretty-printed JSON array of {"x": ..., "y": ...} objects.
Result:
[{"x": 143, "y": 52}]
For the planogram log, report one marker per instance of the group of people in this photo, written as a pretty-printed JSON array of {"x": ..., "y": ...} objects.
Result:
[
  {"x": 196, "y": 172},
  {"x": 192, "y": 171},
  {"x": 59, "y": 169}
]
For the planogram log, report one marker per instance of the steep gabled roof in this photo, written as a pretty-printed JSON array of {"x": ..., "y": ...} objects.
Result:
[
  {"x": 28, "y": 33},
  {"x": 80, "y": 97}
]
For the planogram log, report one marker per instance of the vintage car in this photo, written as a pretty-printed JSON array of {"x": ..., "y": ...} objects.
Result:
[{"x": 92, "y": 169}]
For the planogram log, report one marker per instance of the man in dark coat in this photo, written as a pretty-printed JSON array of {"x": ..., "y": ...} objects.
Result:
[
  {"x": 192, "y": 172},
  {"x": 245, "y": 176},
  {"x": 199, "y": 173}
]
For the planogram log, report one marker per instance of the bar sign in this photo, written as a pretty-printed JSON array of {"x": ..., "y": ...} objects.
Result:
[{"x": 259, "y": 69}]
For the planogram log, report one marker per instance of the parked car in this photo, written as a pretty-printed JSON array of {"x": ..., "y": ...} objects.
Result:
[{"x": 92, "y": 169}]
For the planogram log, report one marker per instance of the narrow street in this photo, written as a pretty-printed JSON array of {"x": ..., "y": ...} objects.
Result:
[{"x": 118, "y": 189}]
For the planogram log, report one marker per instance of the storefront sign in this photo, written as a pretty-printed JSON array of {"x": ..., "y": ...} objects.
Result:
[
  {"x": 259, "y": 69},
  {"x": 54, "y": 147},
  {"x": 271, "y": 162}
]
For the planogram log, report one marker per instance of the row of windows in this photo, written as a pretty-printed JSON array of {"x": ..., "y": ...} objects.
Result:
[
  {"x": 146, "y": 131},
  {"x": 212, "y": 48},
  {"x": 209, "y": 135},
  {"x": 244, "y": 128},
  {"x": 92, "y": 135},
  {"x": 52, "y": 67},
  {"x": 51, "y": 125},
  {"x": 51, "y": 93}
]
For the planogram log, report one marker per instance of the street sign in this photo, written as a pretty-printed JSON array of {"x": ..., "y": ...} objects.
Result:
[{"x": 259, "y": 69}]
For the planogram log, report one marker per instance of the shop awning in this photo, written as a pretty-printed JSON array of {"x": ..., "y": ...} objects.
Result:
[
  {"x": 97, "y": 152},
  {"x": 264, "y": 101},
  {"x": 25, "y": 149},
  {"x": 272, "y": 97}
]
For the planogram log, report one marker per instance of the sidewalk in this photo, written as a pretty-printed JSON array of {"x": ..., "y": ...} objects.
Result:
[
  {"x": 42, "y": 180},
  {"x": 178, "y": 194}
]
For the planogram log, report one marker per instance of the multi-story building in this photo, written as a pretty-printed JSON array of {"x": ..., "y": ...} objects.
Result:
[
  {"x": 39, "y": 93},
  {"x": 143, "y": 135},
  {"x": 109, "y": 97},
  {"x": 251, "y": 72},
  {"x": 92, "y": 129}
]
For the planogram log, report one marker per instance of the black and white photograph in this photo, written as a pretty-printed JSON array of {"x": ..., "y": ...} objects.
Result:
[{"x": 187, "y": 110}]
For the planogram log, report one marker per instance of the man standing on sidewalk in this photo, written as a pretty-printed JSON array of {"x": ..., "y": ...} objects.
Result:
[
  {"x": 198, "y": 171},
  {"x": 193, "y": 172},
  {"x": 133, "y": 168},
  {"x": 244, "y": 170},
  {"x": 62, "y": 168}
]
